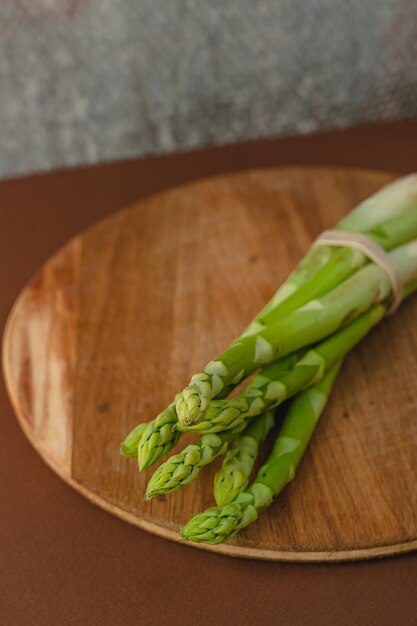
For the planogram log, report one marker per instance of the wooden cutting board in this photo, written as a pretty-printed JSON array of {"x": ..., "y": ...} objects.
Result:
[{"x": 118, "y": 320}]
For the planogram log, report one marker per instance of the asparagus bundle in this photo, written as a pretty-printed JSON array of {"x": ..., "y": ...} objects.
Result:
[
  {"x": 267, "y": 390},
  {"x": 389, "y": 218},
  {"x": 294, "y": 347},
  {"x": 395, "y": 200}
]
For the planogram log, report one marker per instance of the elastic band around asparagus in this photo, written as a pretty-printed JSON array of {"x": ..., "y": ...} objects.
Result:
[
  {"x": 341, "y": 264},
  {"x": 386, "y": 209},
  {"x": 234, "y": 473},
  {"x": 220, "y": 523}
]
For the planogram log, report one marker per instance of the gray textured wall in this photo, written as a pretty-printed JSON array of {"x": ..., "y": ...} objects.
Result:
[{"x": 94, "y": 80}]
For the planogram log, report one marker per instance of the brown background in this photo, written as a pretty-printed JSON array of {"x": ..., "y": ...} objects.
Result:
[{"x": 63, "y": 561}]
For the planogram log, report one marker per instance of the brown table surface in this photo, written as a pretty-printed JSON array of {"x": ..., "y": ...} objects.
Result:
[{"x": 64, "y": 561}]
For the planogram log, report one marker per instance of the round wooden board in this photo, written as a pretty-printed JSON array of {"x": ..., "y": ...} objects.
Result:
[{"x": 117, "y": 321}]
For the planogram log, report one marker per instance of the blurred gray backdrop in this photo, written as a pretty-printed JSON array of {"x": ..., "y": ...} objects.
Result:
[{"x": 96, "y": 80}]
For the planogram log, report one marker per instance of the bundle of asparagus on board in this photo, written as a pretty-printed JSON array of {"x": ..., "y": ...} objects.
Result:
[{"x": 294, "y": 347}]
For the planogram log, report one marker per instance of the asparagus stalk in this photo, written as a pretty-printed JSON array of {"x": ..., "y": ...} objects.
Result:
[
  {"x": 270, "y": 388},
  {"x": 181, "y": 469},
  {"x": 158, "y": 438},
  {"x": 233, "y": 475},
  {"x": 129, "y": 446},
  {"x": 220, "y": 523},
  {"x": 309, "y": 324},
  {"x": 391, "y": 200},
  {"x": 161, "y": 434}
]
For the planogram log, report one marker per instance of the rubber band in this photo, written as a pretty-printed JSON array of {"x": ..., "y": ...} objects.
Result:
[{"x": 373, "y": 251}]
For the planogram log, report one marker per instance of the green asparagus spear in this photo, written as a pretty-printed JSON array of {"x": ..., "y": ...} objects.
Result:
[
  {"x": 309, "y": 324},
  {"x": 129, "y": 446},
  {"x": 181, "y": 469},
  {"x": 233, "y": 476},
  {"x": 268, "y": 389},
  {"x": 220, "y": 523},
  {"x": 158, "y": 438},
  {"x": 391, "y": 200}
]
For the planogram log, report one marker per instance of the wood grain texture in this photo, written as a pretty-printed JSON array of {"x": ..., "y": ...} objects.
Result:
[{"x": 154, "y": 292}]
